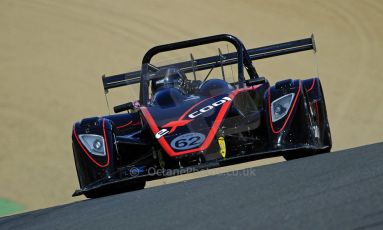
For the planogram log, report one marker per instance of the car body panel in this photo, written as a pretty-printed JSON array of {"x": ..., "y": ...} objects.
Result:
[{"x": 200, "y": 124}]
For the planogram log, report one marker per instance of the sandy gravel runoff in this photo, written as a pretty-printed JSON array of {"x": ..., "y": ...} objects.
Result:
[{"x": 52, "y": 54}]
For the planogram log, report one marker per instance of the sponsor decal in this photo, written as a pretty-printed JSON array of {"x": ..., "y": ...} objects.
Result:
[
  {"x": 174, "y": 124},
  {"x": 161, "y": 133},
  {"x": 222, "y": 146},
  {"x": 187, "y": 141},
  {"x": 208, "y": 108}
]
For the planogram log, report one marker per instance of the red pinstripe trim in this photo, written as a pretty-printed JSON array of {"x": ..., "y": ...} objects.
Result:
[
  {"x": 88, "y": 154},
  {"x": 129, "y": 123},
  {"x": 210, "y": 135},
  {"x": 312, "y": 86},
  {"x": 288, "y": 117},
  {"x": 122, "y": 126}
]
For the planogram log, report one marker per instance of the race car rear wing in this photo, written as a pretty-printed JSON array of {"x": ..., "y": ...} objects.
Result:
[{"x": 134, "y": 77}]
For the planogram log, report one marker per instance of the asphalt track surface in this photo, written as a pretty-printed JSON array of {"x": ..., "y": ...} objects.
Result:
[{"x": 341, "y": 190}]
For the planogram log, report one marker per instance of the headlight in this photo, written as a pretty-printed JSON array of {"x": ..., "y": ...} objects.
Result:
[
  {"x": 280, "y": 107},
  {"x": 93, "y": 143}
]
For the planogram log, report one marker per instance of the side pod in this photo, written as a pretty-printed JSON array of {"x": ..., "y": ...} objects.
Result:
[
  {"x": 288, "y": 119},
  {"x": 94, "y": 150}
]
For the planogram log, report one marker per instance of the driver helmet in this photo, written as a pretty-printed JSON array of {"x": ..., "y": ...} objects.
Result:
[{"x": 169, "y": 78}]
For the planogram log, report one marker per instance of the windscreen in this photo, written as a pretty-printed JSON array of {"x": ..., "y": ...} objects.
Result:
[{"x": 192, "y": 67}]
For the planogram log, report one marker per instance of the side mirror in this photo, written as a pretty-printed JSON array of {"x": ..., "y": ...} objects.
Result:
[
  {"x": 123, "y": 107},
  {"x": 255, "y": 81}
]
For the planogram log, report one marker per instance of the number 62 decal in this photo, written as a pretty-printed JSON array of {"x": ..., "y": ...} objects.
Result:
[{"x": 187, "y": 141}]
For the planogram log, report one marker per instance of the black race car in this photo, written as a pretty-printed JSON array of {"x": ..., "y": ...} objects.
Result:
[{"x": 184, "y": 122}]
